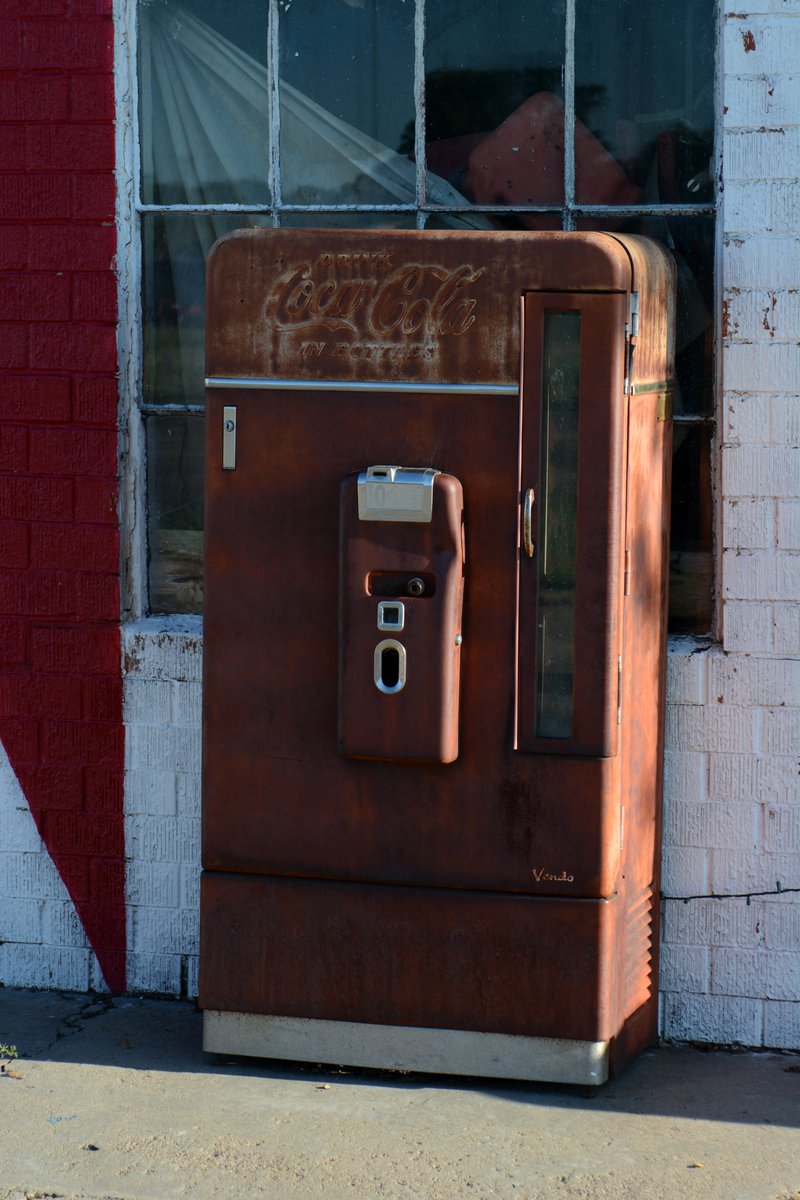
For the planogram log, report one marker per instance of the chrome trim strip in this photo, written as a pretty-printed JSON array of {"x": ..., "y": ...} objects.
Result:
[{"x": 336, "y": 385}]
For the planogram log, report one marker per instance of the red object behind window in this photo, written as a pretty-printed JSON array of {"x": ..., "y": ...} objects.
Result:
[{"x": 522, "y": 161}]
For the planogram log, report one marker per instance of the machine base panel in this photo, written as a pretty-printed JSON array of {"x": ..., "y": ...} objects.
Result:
[{"x": 405, "y": 1048}]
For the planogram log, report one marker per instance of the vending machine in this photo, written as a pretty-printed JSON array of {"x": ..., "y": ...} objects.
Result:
[{"x": 437, "y": 496}]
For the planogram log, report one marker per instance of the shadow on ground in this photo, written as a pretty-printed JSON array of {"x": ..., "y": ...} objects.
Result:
[{"x": 138, "y": 1034}]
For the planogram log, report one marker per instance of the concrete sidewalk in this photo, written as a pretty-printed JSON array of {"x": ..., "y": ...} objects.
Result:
[{"x": 118, "y": 1100}]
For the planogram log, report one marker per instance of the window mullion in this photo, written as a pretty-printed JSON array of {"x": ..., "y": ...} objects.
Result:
[
  {"x": 142, "y": 72},
  {"x": 133, "y": 507},
  {"x": 273, "y": 59},
  {"x": 419, "y": 110},
  {"x": 569, "y": 116}
]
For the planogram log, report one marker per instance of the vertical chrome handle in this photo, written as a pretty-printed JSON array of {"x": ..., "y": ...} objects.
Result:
[{"x": 527, "y": 522}]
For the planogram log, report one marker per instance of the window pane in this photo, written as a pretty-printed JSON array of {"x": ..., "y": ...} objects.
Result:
[
  {"x": 175, "y": 250},
  {"x": 347, "y": 102},
  {"x": 558, "y": 519},
  {"x": 204, "y": 100},
  {"x": 644, "y": 101},
  {"x": 691, "y": 565},
  {"x": 175, "y": 513},
  {"x": 494, "y": 99}
]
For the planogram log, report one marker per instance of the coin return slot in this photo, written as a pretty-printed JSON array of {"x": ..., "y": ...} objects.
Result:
[{"x": 390, "y": 666}]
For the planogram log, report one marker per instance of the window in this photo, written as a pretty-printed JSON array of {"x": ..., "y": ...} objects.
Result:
[{"x": 536, "y": 114}]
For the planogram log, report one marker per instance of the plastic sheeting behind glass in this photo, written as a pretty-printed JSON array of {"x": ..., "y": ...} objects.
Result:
[
  {"x": 347, "y": 94},
  {"x": 204, "y": 102},
  {"x": 205, "y": 105}
]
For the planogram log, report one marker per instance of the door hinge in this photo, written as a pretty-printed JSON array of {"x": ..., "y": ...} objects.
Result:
[
  {"x": 631, "y": 334},
  {"x": 619, "y": 689},
  {"x": 627, "y": 576}
]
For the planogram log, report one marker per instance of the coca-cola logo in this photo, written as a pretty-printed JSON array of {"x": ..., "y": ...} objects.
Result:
[{"x": 413, "y": 299}]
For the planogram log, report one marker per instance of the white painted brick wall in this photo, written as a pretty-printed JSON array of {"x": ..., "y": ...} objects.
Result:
[
  {"x": 782, "y": 1024},
  {"x": 762, "y": 315},
  {"x": 749, "y": 628},
  {"x": 756, "y": 43},
  {"x": 786, "y": 623},
  {"x": 748, "y": 417},
  {"x": 162, "y": 803},
  {"x": 747, "y": 820},
  {"x": 698, "y": 1017},
  {"x": 778, "y": 201}
]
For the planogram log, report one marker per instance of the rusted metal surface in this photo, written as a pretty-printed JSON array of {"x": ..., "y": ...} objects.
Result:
[
  {"x": 507, "y": 820},
  {"x": 653, "y": 359},
  {"x": 333, "y": 305},
  {"x": 409, "y": 956},
  {"x": 271, "y": 665}
]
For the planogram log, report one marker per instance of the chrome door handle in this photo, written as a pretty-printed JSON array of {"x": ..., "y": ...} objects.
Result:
[{"x": 527, "y": 523}]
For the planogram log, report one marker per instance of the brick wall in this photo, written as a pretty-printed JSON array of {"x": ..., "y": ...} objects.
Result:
[
  {"x": 60, "y": 685},
  {"x": 731, "y": 969},
  {"x": 163, "y": 669}
]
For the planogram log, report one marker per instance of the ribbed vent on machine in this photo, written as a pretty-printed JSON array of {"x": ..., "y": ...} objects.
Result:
[{"x": 639, "y": 950}]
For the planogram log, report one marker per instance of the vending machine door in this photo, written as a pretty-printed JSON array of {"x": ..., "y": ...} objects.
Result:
[{"x": 572, "y": 447}]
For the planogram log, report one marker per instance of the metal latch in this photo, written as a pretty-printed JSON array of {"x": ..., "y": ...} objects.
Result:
[{"x": 388, "y": 493}]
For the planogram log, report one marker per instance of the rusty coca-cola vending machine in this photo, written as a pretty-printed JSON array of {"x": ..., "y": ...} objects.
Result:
[{"x": 436, "y": 547}]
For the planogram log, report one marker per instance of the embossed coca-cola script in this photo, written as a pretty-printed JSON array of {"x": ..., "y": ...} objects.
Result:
[{"x": 412, "y": 299}]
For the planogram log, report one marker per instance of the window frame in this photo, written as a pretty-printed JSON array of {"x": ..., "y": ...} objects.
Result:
[{"x": 131, "y": 211}]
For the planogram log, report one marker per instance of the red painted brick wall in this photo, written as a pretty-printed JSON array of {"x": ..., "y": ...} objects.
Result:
[{"x": 60, "y": 683}]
